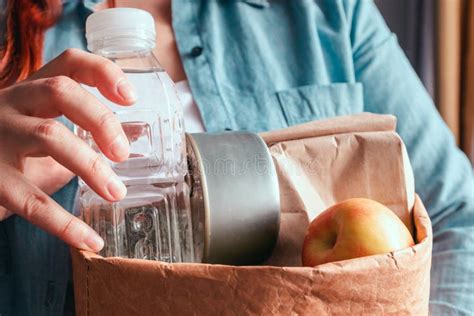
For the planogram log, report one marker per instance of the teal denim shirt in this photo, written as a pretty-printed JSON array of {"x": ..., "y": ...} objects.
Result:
[{"x": 271, "y": 64}]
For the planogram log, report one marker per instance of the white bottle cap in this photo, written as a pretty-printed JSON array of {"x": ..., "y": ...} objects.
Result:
[{"x": 120, "y": 27}]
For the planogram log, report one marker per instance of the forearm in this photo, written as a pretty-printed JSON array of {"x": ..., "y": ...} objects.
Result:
[{"x": 452, "y": 274}]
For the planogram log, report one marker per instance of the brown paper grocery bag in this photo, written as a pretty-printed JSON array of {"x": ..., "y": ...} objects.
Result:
[
  {"x": 318, "y": 164},
  {"x": 324, "y": 162}
]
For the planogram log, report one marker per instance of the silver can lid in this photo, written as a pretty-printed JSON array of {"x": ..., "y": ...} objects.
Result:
[{"x": 235, "y": 192}]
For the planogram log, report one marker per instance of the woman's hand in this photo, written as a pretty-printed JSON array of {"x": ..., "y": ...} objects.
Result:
[
  {"x": 28, "y": 129},
  {"x": 46, "y": 173}
]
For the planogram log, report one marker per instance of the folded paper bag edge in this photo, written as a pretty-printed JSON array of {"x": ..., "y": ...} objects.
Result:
[{"x": 363, "y": 122}]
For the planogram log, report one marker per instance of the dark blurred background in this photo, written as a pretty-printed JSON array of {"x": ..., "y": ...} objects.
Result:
[{"x": 438, "y": 38}]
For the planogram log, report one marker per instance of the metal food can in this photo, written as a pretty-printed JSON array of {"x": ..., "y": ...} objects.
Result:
[{"x": 235, "y": 199}]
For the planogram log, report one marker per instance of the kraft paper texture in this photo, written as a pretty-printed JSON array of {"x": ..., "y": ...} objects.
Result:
[{"x": 318, "y": 164}]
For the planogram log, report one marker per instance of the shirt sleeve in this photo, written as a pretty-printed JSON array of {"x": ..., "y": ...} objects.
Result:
[{"x": 443, "y": 175}]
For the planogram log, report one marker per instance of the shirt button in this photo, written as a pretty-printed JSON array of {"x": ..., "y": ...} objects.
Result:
[{"x": 196, "y": 51}]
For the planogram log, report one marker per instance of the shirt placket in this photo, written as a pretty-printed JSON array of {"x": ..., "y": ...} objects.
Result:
[{"x": 195, "y": 55}]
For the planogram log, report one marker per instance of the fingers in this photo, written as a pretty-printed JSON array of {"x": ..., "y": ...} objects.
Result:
[
  {"x": 47, "y": 174},
  {"x": 50, "y": 137},
  {"x": 20, "y": 196},
  {"x": 91, "y": 70},
  {"x": 62, "y": 95}
]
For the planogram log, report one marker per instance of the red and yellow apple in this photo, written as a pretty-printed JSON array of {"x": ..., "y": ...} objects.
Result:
[{"x": 351, "y": 229}]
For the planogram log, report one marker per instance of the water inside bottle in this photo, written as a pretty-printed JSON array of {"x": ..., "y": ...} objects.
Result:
[{"x": 154, "y": 220}]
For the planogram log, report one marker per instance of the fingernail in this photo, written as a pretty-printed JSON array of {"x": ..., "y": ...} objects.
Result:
[
  {"x": 94, "y": 242},
  {"x": 116, "y": 188},
  {"x": 120, "y": 147},
  {"x": 126, "y": 90}
]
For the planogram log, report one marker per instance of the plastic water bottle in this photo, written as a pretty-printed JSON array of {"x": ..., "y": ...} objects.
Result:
[{"x": 153, "y": 221}]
